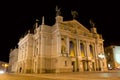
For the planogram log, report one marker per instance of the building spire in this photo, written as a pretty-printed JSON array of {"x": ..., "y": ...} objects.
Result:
[{"x": 43, "y": 20}]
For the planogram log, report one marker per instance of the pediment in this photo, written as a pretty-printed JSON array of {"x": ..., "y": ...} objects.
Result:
[{"x": 74, "y": 24}]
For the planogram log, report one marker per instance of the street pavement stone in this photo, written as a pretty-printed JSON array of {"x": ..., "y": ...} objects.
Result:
[{"x": 110, "y": 75}]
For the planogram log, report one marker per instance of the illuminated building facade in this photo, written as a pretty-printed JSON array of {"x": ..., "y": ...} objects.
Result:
[
  {"x": 13, "y": 58},
  {"x": 67, "y": 46},
  {"x": 112, "y": 53}
]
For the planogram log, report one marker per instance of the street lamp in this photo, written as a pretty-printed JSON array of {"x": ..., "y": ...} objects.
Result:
[{"x": 5, "y": 66}]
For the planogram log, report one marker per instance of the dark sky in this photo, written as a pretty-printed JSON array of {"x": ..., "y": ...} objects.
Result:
[{"x": 17, "y": 17}]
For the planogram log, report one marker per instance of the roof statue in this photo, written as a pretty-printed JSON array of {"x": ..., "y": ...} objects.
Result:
[
  {"x": 37, "y": 20},
  {"x": 92, "y": 23},
  {"x": 57, "y": 11},
  {"x": 74, "y": 14},
  {"x": 28, "y": 31},
  {"x": 36, "y": 24}
]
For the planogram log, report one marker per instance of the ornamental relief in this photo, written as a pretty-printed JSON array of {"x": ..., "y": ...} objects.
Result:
[
  {"x": 76, "y": 30},
  {"x": 70, "y": 29}
]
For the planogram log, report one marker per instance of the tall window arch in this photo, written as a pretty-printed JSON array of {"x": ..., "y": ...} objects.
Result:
[
  {"x": 91, "y": 51},
  {"x": 82, "y": 49},
  {"x": 71, "y": 48}
]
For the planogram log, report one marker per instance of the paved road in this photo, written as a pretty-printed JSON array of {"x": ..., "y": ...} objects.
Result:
[{"x": 112, "y": 75}]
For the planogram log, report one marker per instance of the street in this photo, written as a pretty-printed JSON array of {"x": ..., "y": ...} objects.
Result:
[{"x": 111, "y": 75}]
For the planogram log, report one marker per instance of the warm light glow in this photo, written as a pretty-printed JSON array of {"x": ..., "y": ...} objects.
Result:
[
  {"x": 109, "y": 65},
  {"x": 5, "y": 65},
  {"x": 1, "y": 72},
  {"x": 82, "y": 50},
  {"x": 72, "y": 53},
  {"x": 101, "y": 56},
  {"x": 91, "y": 55},
  {"x": 82, "y": 54}
]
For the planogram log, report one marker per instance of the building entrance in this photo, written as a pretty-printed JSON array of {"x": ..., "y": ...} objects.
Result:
[
  {"x": 73, "y": 66},
  {"x": 85, "y": 65}
]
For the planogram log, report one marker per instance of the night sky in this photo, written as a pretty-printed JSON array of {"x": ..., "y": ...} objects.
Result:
[{"x": 17, "y": 17}]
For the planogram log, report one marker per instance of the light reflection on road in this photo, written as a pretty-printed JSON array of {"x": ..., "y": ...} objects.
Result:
[
  {"x": 113, "y": 74},
  {"x": 64, "y": 76}
]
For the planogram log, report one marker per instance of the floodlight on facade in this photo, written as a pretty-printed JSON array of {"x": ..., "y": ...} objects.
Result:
[{"x": 101, "y": 56}]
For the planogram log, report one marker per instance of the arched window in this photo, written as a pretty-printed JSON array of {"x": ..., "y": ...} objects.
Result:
[
  {"x": 91, "y": 51},
  {"x": 71, "y": 48},
  {"x": 82, "y": 49}
]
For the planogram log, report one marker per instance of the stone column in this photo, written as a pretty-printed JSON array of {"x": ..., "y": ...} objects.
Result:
[
  {"x": 42, "y": 52},
  {"x": 88, "y": 55},
  {"x": 80, "y": 66},
  {"x": 59, "y": 44},
  {"x": 77, "y": 47},
  {"x": 101, "y": 64},
  {"x": 104, "y": 60},
  {"x": 96, "y": 56},
  {"x": 79, "y": 57},
  {"x": 58, "y": 53},
  {"x": 77, "y": 54},
  {"x": 67, "y": 46},
  {"x": 88, "y": 49}
]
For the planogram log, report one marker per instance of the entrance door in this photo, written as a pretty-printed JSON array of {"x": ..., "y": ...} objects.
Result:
[
  {"x": 84, "y": 66},
  {"x": 99, "y": 65},
  {"x": 93, "y": 66},
  {"x": 35, "y": 67},
  {"x": 73, "y": 65}
]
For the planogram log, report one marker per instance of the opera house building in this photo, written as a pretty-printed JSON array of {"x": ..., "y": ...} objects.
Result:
[{"x": 66, "y": 46}]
